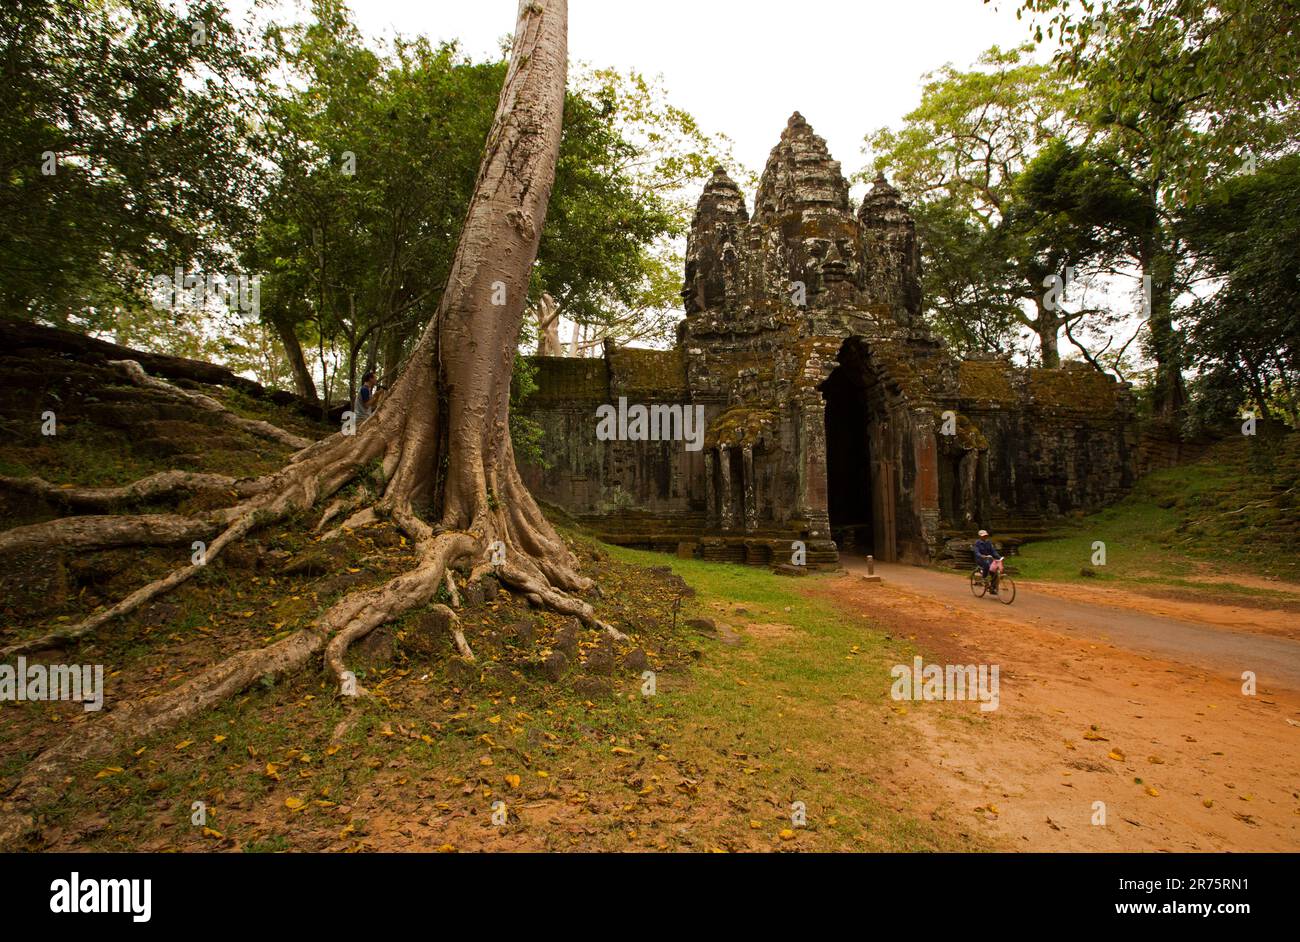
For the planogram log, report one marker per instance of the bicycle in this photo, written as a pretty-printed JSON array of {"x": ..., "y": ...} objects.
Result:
[{"x": 980, "y": 584}]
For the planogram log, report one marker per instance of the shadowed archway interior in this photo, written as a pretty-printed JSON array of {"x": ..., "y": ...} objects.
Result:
[{"x": 854, "y": 424}]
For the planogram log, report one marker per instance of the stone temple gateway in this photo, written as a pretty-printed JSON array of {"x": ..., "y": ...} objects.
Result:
[{"x": 833, "y": 416}]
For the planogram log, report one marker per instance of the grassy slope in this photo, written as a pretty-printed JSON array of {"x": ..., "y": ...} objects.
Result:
[
  {"x": 790, "y": 702},
  {"x": 1234, "y": 512},
  {"x": 739, "y": 729}
]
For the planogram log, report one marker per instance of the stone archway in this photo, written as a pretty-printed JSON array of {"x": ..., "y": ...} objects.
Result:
[{"x": 861, "y": 456}]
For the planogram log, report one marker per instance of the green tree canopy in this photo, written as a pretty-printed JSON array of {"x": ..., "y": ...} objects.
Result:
[
  {"x": 1244, "y": 338},
  {"x": 121, "y": 148},
  {"x": 1182, "y": 92}
]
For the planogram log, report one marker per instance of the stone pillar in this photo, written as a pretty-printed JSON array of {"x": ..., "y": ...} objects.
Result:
[
  {"x": 811, "y": 464},
  {"x": 967, "y": 469},
  {"x": 884, "y": 490},
  {"x": 724, "y": 474},
  {"x": 710, "y": 495},
  {"x": 751, "y": 494},
  {"x": 925, "y": 499}
]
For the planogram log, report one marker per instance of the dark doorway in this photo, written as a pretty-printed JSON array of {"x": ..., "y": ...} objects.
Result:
[{"x": 849, "y": 499}]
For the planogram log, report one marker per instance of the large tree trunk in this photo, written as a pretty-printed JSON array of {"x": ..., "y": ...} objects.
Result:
[
  {"x": 1169, "y": 393},
  {"x": 466, "y": 352},
  {"x": 448, "y": 410},
  {"x": 302, "y": 381},
  {"x": 1047, "y": 325}
]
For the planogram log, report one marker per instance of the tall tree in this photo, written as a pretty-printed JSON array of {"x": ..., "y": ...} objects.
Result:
[
  {"x": 1244, "y": 338},
  {"x": 122, "y": 149},
  {"x": 1074, "y": 214},
  {"x": 956, "y": 158},
  {"x": 1183, "y": 91},
  {"x": 447, "y": 473}
]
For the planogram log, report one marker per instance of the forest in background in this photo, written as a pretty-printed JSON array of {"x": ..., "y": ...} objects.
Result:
[{"x": 285, "y": 199}]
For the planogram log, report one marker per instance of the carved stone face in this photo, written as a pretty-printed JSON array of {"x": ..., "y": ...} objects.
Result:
[
  {"x": 825, "y": 252},
  {"x": 838, "y": 263}
]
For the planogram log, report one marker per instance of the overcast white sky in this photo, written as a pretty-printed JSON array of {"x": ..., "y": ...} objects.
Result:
[{"x": 742, "y": 66}]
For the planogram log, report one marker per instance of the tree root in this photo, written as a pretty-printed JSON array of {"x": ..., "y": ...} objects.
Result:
[
  {"x": 358, "y": 614},
  {"x": 135, "y": 372},
  {"x": 361, "y": 518},
  {"x": 163, "y": 485},
  {"x": 102, "y": 532},
  {"x": 297, "y": 486},
  {"x": 442, "y": 434},
  {"x": 344, "y": 505},
  {"x": 61, "y": 637},
  {"x": 42, "y": 779},
  {"x": 535, "y": 585},
  {"x": 348, "y": 620}
]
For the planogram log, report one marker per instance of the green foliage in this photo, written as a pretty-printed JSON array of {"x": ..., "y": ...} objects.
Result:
[
  {"x": 1074, "y": 209},
  {"x": 1244, "y": 339},
  {"x": 1181, "y": 92},
  {"x": 1188, "y": 83},
  {"x": 1073, "y": 204},
  {"x": 142, "y": 110},
  {"x": 973, "y": 130},
  {"x": 969, "y": 279},
  {"x": 525, "y": 434},
  {"x": 625, "y": 160},
  {"x": 359, "y": 260},
  {"x": 373, "y": 161},
  {"x": 956, "y": 158}
]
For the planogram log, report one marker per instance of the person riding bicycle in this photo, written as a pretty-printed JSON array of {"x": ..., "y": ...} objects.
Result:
[{"x": 985, "y": 553}]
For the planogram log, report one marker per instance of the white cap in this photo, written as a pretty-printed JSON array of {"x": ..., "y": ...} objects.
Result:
[{"x": 984, "y": 533}]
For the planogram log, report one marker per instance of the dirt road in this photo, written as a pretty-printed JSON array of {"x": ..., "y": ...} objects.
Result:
[
  {"x": 1195, "y": 636},
  {"x": 1117, "y": 729}
]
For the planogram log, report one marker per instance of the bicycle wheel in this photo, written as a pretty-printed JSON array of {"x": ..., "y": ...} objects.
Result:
[
  {"x": 1006, "y": 590},
  {"x": 977, "y": 585}
]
